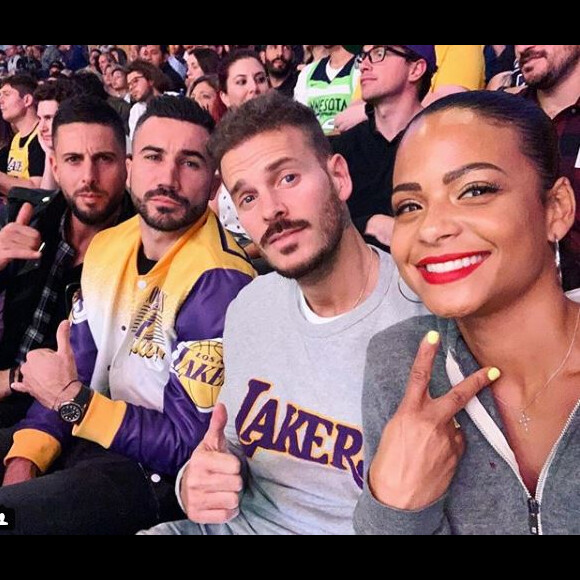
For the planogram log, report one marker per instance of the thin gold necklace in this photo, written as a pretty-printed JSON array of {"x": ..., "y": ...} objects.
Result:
[
  {"x": 370, "y": 269},
  {"x": 524, "y": 417}
]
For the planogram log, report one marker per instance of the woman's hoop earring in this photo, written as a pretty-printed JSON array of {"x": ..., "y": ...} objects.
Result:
[{"x": 405, "y": 296}]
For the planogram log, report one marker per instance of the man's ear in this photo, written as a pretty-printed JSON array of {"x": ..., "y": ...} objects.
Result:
[
  {"x": 340, "y": 175},
  {"x": 560, "y": 209},
  {"x": 417, "y": 70},
  {"x": 53, "y": 166},
  {"x": 215, "y": 185},
  {"x": 129, "y": 164}
]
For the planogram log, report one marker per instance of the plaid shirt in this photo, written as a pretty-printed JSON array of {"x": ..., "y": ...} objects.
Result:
[
  {"x": 36, "y": 333},
  {"x": 567, "y": 123},
  {"x": 568, "y": 127}
]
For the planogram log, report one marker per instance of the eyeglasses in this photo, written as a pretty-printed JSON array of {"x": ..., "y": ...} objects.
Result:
[
  {"x": 134, "y": 81},
  {"x": 378, "y": 53}
]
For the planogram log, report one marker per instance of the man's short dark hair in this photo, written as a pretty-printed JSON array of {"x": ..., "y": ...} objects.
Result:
[
  {"x": 58, "y": 90},
  {"x": 87, "y": 84},
  {"x": 23, "y": 83},
  {"x": 120, "y": 68},
  {"x": 90, "y": 110},
  {"x": 151, "y": 73},
  {"x": 270, "y": 112},
  {"x": 142, "y": 67},
  {"x": 178, "y": 109},
  {"x": 164, "y": 48}
]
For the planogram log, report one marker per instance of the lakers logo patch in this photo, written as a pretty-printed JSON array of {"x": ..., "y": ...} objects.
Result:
[
  {"x": 149, "y": 339},
  {"x": 200, "y": 369},
  {"x": 15, "y": 166}
]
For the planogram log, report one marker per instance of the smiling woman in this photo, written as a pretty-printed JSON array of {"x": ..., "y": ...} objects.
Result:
[{"x": 480, "y": 209}]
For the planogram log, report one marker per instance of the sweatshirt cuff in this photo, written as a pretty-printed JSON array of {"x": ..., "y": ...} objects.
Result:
[
  {"x": 102, "y": 421},
  {"x": 373, "y": 518},
  {"x": 178, "y": 483},
  {"x": 36, "y": 446}
]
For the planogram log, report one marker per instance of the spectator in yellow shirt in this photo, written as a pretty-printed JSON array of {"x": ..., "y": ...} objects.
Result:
[{"x": 460, "y": 67}]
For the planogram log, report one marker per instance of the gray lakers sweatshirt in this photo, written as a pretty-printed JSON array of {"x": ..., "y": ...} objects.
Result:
[
  {"x": 487, "y": 495},
  {"x": 293, "y": 391}
]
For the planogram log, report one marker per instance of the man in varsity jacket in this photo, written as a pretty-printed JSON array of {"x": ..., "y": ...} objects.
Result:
[
  {"x": 288, "y": 430},
  {"x": 122, "y": 404}
]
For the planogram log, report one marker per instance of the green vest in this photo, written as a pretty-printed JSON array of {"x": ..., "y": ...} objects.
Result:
[{"x": 329, "y": 98}]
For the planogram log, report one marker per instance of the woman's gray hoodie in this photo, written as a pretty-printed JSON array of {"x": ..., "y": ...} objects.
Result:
[{"x": 487, "y": 495}]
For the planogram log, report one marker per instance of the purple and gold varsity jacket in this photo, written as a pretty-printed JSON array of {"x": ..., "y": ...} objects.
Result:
[{"x": 149, "y": 346}]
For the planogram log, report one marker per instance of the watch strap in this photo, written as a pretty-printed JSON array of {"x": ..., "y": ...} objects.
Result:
[{"x": 84, "y": 397}]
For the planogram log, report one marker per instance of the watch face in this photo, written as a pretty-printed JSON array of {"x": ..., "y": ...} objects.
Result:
[{"x": 71, "y": 412}]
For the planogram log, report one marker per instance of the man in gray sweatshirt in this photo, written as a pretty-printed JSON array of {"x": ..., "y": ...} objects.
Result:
[{"x": 284, "y": 452}]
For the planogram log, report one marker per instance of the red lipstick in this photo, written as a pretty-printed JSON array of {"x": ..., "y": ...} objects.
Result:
[{"x": 450, "y": 268}]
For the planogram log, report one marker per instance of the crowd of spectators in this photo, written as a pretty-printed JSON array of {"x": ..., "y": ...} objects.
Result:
[{"x": 101, "y": 146}]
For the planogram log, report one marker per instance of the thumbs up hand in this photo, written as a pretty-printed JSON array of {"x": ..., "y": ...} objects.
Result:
[
  {"x": 215, "y": 438},
  {"x": 212, "y": 482},
  {"x": 19, "y": 241},
  {"x": 51, "y": 377}
]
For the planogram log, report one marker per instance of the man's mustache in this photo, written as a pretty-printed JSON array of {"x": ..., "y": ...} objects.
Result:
[
  {"x": 531, "y": 54},
  {"x": 280, "y": 227},
  {"x": 88, "y": 189},
  {"x": 166, "y": 192}
]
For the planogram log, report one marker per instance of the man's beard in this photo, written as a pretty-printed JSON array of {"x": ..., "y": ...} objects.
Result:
[
  {"x": 95, "y": 217},
  {"x": 166, "y": 221},
  {"x": 335, "y": 219},
  {"x": 552, "y": 77},
  {"x": 277, "y": 72}
]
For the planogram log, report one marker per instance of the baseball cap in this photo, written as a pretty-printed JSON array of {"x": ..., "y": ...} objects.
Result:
[{"x": 424, "y": 51}]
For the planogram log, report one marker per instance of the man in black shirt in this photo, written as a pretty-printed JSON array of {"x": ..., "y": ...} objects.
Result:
[
  {"x": 280, "y": 62},
  {"x": 158, "y": 55},
  {"x": 43, "y": 243},
  {"x": 394, "y": 80}
]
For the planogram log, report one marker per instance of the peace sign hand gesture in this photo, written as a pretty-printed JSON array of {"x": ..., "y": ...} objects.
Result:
[{"x": 422, "y": 444}]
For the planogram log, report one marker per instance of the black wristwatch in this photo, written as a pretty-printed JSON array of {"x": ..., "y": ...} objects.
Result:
[{"x": 74, "y": 411}]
